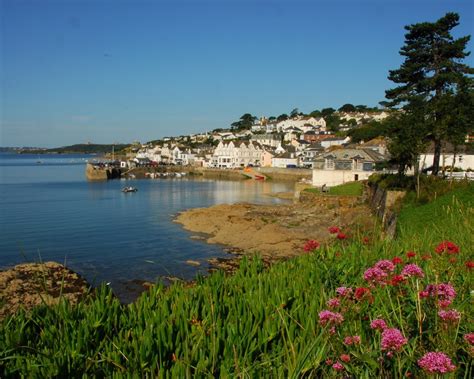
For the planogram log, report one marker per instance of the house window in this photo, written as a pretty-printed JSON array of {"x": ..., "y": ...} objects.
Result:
[{"x": 329, "y": 164}]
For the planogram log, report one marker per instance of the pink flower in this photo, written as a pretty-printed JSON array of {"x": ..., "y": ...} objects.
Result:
[
  {"x": 469, "y": 338},
  {"x": 451, "y": 316},
  {"x": 334, "y": 229},
  {"x": 385, "y": 265},
  {"x": 311, "y": 245},
  {"x": 412, "y": 270},
  {"x": 329, "y": 362},
  {"x": 352, "y": 340},
  {"x": 447, "y": 247},
  {"x": 345, "y": 358},
  {"x": 331, "y": 318},
  {"x": 375, "y": 275},
  {"x": 378, "y": 324},
  {"x": 344, "y": 291},
  {"x": 444, "y": 293},
  {"x": 393, "y": 340},
  {"x": 333, "y": 303},
  {"x": 338, "y": 366},
  {"x": 397, "y": 260},
  {"x": 436, "y": 363}
]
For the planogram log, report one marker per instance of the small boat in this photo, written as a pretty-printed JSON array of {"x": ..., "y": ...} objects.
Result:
[{"x": 129, "y": 189}]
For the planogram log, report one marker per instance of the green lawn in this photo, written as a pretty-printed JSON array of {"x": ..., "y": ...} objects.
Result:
[{"x": 346, "y": 189}]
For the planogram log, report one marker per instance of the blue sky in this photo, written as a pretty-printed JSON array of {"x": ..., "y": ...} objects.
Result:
[{"x": 117, "y": 71}]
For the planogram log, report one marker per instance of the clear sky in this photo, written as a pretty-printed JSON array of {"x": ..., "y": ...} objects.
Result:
[{"x": 107, "y": 71}]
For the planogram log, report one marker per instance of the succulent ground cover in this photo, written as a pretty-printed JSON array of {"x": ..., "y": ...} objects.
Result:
[{"x": 360, "y": 307}]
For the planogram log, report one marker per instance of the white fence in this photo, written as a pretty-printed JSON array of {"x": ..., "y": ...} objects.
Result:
[{"x": 459, "y": 175}]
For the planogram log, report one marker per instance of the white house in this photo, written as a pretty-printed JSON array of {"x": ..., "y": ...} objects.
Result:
[
  {"x": 464, "y": 160},
  {"x": 334, "y": 141},
  {"x": 344, "y": 165},
  {"x": 232, "y": 156},
  {"x": 300, "y": 122},
  {"x": 285, "y": 160},
  {"x": 267, "y": 139}
]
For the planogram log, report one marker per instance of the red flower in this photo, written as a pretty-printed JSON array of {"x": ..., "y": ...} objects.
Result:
[
  {"x": 411, "y": 254},
  {"x": 345, "y": 358},
  {"x": 365, "y": 240},
  {"x": 426, "y": 257},
  {"x": 361, "y": 292},
  {"x": 397, "y": 279},
  {"x": 311, "y": 245},
  {"x": 334, "y": 229},
  {"x": 452, "y": 260},
  {"x": 397, "y": 261},
  {"x": 341, "y": 236},
  {"x": 447, "y": 247},
  {"x": 469, "y": 264}
]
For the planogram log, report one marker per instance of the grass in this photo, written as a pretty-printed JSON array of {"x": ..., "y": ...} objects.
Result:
[
  {"x": 263, "y": 323},
  {"x": 346, "y": 189}
]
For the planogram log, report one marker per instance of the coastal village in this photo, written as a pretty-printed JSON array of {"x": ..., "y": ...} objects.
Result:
[{"x": 300, "y": 141}]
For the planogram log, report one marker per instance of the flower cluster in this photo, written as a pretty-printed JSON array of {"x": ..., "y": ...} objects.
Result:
[
  {"x": 393, "y": 339},
  {"x": 469, "y": 338},
  {"x": 311, "y": 245},
  {"x": 436, "y": 363},
  {"x": 451, "y": 316},
  {"x": 344, "y": 291},
  {"x": 334, "y": 229},
  {"x": 352, "y": 340},
  {"x": 330, "y": 318},
  {"x": 333, "y": 303},
  {"x": 378, "y": 324},
  {"x": 444, "y": 293},
  {"x": 412, "y": 270},
  {"x": 447, "y": 247},
  {"x": 379, "y": 273},
  {"x": 394, "y": 272}
]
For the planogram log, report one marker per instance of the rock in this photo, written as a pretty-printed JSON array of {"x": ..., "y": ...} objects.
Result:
[
  {"x": 193, "y": 263},
  {"x": 31, "y": 284}
]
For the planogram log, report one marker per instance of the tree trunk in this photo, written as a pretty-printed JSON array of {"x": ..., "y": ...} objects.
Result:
[{"x": 436, "y": 157}]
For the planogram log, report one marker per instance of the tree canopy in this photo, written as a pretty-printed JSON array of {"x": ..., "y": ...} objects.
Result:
[
  {"x": 245, "y": 122},
  {"x": 429, "y": 80},
  {"x": 347, "y": 108}
]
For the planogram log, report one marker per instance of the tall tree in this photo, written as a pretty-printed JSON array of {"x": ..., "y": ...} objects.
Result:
[
  {"x": 327, "y": 111},
  {"x": 347, "y": 108},
  {"x": 294, "y": 112},
  {"x": 245, "y": 122},
  {"x": 430, "y": 75}
]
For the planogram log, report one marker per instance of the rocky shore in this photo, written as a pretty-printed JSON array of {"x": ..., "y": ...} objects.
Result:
[
  {"x": 275, "y": 232},
  {"x": 30, "y": 284}
]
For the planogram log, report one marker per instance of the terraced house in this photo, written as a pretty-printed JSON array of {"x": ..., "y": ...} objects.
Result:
[{"x": 232, "y": 156}]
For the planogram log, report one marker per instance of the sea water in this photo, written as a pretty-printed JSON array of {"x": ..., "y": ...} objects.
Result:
[{"x": 49, "y": 211}]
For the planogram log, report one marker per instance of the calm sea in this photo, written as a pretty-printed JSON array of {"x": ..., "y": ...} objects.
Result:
[{"x": 49, "y": 211}]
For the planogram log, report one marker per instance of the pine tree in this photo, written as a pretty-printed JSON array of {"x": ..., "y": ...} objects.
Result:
[{"x": 431, "y": 74}]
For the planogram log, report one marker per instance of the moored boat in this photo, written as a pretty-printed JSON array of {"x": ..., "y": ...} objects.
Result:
[{"x": 129, "y": 189}]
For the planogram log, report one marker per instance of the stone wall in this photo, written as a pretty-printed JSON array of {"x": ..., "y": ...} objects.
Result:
[{"x": 386, "y": 205}]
